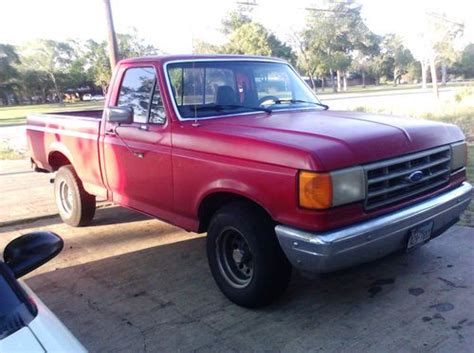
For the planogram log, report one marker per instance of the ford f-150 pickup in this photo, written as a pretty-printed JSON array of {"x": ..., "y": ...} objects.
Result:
[{"x": 241, "y": 148}]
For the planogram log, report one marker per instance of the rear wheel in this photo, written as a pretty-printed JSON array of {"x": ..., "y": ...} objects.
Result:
[
  {"x": 245, "y": 258},
  {"x": 75, "y": 206}
]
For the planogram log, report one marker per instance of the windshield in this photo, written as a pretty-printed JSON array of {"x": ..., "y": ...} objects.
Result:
[{"x": 216, "y": 88}]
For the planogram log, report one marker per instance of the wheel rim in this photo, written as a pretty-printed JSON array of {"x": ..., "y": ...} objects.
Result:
[
  {"x": 234, "y": 258},
  {"x": 65, "y": 197}
]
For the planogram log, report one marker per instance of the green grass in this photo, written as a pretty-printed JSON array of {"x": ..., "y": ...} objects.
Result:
[
  {"x": 15, "y": 115},
  {"x": 462, "y": 116}
]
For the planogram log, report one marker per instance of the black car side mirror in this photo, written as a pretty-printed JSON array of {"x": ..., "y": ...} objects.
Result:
[
  {"x": 121, "y": 115},
  {"x": 28, "y": 252}
]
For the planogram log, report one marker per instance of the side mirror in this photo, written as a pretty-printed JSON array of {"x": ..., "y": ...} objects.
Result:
[
  {"x": 121, "y": 115},
  {"x": 28, "y": 252}
]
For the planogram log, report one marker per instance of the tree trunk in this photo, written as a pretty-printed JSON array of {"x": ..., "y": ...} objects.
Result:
[
  {"x": 56, "y": 89},
  {"x": 338, "y": 75},
  {"x": 363, "y": 79},
  {"x": 44, "y": 94},
  {"x": 311, "y": 79},
  {"x": 344, "y": 81},
  {"x": 333, "y": 82},
  {"x": 444, "y": 72},
  {"x": 434, "y": 77},
  {"x": 322, "y": 83},
  {"x": 423, "y": 73},
  {"x": 395, "y": 76}
]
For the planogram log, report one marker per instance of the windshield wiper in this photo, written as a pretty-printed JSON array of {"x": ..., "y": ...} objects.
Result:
[
  {"x": 294, "y": 101},
  {"x": 221, "y": 107}
]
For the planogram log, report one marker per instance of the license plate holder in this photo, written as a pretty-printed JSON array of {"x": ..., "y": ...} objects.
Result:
[{"x": 419, "y": 235}]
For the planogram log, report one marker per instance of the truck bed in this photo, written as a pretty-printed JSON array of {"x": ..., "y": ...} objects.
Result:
[{"x": 71, "y": 135}]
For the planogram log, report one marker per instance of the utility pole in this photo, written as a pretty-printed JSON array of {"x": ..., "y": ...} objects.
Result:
[{"x": 112, "y": 38}]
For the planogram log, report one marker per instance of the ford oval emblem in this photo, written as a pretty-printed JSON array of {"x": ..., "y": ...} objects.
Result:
[{"x": 415, "y": 177}]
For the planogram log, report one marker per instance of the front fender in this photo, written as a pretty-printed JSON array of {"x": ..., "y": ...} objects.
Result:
[{"x": 231, "y": 186}]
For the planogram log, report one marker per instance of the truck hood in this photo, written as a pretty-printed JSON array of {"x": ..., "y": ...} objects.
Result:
[{"x": 329, "y": 140}]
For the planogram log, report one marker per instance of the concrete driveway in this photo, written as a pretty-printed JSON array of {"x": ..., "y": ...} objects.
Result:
[{"x": 133, "y": 284}]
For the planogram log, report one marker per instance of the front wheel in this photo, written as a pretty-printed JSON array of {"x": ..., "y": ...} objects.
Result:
[
  {"x": 75, "y": 206},
  {"x": 244, "y": 256}
]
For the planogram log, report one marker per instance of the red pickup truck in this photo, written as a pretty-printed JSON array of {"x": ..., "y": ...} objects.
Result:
[{"x": 240, "y": 147}]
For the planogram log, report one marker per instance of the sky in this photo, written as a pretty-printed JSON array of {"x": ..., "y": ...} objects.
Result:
[{"x": 172, "y": 25}]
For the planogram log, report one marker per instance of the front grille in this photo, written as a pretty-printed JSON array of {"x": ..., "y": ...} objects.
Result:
[{"x": 388, "y": 183}]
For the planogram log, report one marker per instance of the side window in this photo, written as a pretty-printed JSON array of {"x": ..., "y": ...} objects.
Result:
[
  {"x": 136, "y": 90},
  {"x": 157, "y": 111}
]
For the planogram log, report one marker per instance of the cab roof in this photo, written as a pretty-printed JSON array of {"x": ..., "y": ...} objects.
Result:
[{"x": 190, "y": 57}]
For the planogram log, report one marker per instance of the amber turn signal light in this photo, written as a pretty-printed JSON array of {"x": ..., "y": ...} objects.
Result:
[{"x": 315, "y": 190}]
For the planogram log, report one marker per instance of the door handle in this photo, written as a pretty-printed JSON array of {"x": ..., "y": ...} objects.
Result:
[{"x": 110, "y": 132}]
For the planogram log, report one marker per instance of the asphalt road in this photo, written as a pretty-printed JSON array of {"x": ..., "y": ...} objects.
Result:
[{"x": 133, "y": 284}]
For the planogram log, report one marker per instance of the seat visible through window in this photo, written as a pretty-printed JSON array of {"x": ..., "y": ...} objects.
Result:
[{"x": 225, "y": 95}]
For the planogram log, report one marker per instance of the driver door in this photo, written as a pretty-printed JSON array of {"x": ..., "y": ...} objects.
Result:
[{"x": 137, "y": 157}]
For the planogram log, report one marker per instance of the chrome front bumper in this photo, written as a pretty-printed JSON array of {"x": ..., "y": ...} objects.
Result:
[{"x": 372, "y": 239}]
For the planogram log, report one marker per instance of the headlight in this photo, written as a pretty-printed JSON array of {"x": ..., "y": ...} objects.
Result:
[
  {"x": 324, "y": 190},
  {"x": 458, "y": 155}
]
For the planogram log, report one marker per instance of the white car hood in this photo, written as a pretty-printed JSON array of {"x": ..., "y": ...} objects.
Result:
[{"x": 21, "y": 341}]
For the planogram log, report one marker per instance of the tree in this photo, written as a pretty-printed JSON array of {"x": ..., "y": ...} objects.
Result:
[
  {"x": 365, "y": 54},
  {"x": 35, "y": 83},
  {"x": 75, "y": 74},
  {"x": 254, "y": 39},
  {"x": 245, "y": 36},
  {"x": 280, "y": 49},
  {"x": 392, "y": 47},
  {"x": 381, "y": 67},
  {"x": 8, "y": 59},
  {"x": 50, "y": 57},
  {"x": 437, "y": 39},
  {"x": 465, "y": 63},
  {"x": 235, "y": 19},
  {"x": 445, "y": 34},
  {"x": 130, "y": 45},
  {"x": 98, "y": 64},
  {"x": 332, "y": 35},
  {"x": 201, "y": 47},
  {"x": 249, "y": 38},
  {"x": 310, "y": 62}
]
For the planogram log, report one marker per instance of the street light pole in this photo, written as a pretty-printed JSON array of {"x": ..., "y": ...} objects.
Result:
[{"x": 112, "y": 38}]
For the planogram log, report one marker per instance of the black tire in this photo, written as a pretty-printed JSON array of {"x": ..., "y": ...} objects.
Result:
[
  {"x": 75, "y": 206},
  {"x": 245, "y": 257}
]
